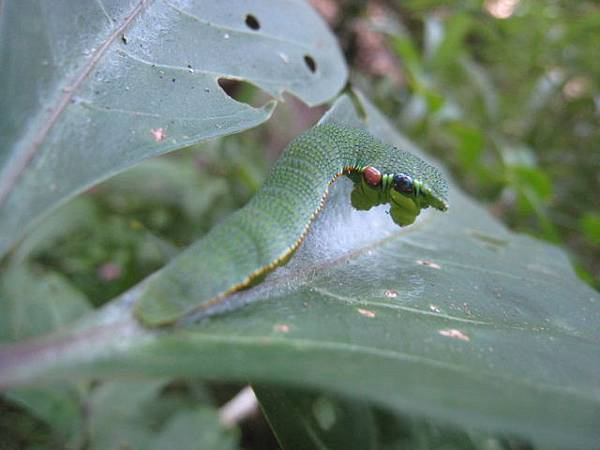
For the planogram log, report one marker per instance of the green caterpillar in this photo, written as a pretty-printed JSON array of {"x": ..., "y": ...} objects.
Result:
[{"x": 265, "y": 233}]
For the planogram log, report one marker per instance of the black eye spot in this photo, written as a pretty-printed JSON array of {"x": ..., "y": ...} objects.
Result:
[
  {"x": 403, "y": 184},
  {"x": 252, "y": 22}
]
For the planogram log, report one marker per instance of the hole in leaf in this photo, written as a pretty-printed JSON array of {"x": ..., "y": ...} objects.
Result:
[
  {"x": 244, "y": 92},
  {"x": 252, "y": 22},
  {"x": 310, "y": 63}
]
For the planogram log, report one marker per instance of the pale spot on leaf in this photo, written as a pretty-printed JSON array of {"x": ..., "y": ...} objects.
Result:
[
  {"x": 428, "y": 263},
  {"x": 282, "y": 328},
  {"x": 366, "y": 313},
  {"x": 390, "y": 293},
  {"x": 456, "y": 334},
  {"x": 158, "y": 134}
]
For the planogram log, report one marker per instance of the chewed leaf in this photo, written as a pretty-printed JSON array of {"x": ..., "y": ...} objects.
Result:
[{"x": 85, "y": 99}]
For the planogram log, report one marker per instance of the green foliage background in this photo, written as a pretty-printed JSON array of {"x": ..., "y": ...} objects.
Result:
[{"x": 511, "y": 105}]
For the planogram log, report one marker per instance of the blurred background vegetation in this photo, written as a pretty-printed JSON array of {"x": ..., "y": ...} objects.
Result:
[{"x": 504, "y": 92}]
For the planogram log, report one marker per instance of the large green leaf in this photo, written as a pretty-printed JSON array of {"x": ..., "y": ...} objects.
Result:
[
  {"x": 453, "y": 318},
  {"x": 91, "y": 88}
]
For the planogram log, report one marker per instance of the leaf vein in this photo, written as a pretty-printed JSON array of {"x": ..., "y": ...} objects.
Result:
[
  {"x": 17, "y": 165},
  {"x": 351, "y": 301}
]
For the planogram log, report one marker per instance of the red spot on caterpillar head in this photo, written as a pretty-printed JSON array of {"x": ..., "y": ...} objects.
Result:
[{"x": 372, "y": 176}]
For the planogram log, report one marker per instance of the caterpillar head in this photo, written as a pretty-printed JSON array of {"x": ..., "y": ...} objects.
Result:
[{"x": 406, "y": 194}]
